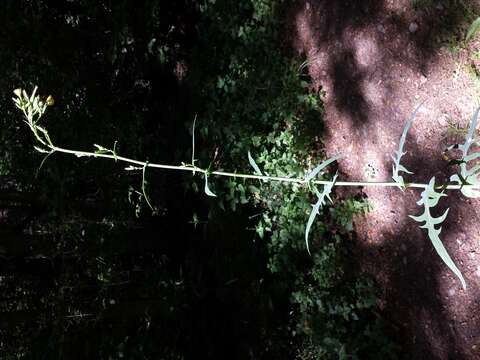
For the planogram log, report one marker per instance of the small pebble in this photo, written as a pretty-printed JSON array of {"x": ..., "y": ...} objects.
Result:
[
  {"x": 413, "y": 27},
  {"x": 443, "y": 120}
]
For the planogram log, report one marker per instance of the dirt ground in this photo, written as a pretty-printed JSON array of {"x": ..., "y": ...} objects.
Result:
[{"x": 376, "y": 61}]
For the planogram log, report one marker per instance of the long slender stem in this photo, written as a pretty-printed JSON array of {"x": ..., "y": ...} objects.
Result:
[
  {"x": 36, "y": 108},
  {"x": 194, "y": 169}
]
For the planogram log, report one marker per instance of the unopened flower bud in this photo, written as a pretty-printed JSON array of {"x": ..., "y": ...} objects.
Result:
[{"x": 50, "y": 101}]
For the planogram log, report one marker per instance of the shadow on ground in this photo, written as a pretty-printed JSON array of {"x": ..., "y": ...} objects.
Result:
[{"x": 365, "y": 56}]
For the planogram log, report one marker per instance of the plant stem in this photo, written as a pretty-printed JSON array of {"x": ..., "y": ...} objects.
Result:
[{"x": 194, "y": 169}]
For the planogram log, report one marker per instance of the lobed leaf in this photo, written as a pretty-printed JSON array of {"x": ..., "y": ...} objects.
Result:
[
  {"x": 327, "y": 189},
  {"x": 430, "y": 199},
  {"x": 469, "y": 176}
]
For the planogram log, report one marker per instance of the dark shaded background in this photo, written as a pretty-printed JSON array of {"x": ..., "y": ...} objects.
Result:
[{"x": 87, "y": 270}]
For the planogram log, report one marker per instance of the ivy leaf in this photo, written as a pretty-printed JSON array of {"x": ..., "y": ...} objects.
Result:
[
  {"x": 320, "y": 167},
  {"x": 469, "y": 176},
  {"x": 254, "y": 164},
  {"x": 325, "y": 194},
  {"x": 397, "y": 167},
  {"x": 429, "y": 200},
  {"x": 207, "y": 190}
]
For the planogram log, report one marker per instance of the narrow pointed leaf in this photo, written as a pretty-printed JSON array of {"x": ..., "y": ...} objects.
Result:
[
  {"x": 39, "y": 149},
  {"x": 144, "y": 191},
  {"x": 397, "y": 167},
  {"x": 311, "y": 218},
  {"x": 254, "y": 164},
  {"x": 327, "y": 189},
  {"x": 320, "y": 167},
  {"x": 207, "y": 190},
  {"x": 193, "y": 140}
]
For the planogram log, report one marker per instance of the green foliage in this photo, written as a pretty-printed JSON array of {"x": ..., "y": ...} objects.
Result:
[
  {"x": 255, "y": 101},
  {"x": 344, "y": 212},
  {"x": 248, "y": 96}
]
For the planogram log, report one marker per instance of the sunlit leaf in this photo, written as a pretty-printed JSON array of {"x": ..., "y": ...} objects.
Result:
[
  {"x": 469, "y": 176},
  {"x": 397, "y": 167},
  {"x": 320, "y": 167},
  {"x": 429, "y": 200},
  {"x": 321, "y": 200}
]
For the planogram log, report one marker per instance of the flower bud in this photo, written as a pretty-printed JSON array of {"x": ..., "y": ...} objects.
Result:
[
  {"x": 18, "y": 92},
  {"x": 50, "y": 101}
]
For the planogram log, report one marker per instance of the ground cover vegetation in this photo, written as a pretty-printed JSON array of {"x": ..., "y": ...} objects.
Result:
[{"x": 105, "y": 264}]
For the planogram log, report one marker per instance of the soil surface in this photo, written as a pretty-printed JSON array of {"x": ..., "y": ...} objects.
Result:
[{"x": 376, "y": 61}]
